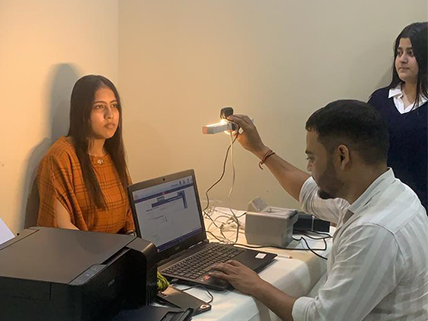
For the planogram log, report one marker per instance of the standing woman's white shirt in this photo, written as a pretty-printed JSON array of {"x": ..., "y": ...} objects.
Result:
[{"x": 397, "y": 94}]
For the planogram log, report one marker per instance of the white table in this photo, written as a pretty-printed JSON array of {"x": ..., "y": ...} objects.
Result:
[{"x": 295, "y": 276}]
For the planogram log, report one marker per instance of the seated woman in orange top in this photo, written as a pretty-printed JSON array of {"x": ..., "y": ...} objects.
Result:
[{"x": 83, "y": 177}]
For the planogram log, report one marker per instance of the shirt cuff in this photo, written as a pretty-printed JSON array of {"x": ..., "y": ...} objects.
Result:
[{"x": 300, "y": 308}]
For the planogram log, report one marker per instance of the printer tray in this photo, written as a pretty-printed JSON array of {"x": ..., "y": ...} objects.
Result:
[{"x": 154, "y": 314}]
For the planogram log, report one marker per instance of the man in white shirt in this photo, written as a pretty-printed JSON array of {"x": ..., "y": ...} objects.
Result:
[{"x": 378, "y": 266}]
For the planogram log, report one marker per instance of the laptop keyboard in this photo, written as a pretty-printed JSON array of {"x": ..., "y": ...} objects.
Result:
[{"x": 200, "y": 263}]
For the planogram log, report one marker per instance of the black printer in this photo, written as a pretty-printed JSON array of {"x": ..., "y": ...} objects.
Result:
[{"x": 65, "y": 275}]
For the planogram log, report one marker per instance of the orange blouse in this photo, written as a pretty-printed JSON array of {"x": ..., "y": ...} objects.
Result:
[{"x": 60, "y": 178}]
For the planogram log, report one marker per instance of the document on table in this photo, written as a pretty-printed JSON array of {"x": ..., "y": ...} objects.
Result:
[{"x": 5, "y": 233}]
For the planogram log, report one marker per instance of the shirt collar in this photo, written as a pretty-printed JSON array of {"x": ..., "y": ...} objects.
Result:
[
  {"x": 422, "y": 100},
  {"x": 398, "y": 93},
  {"x": 380, "y": 184},
  {"x": 395, "y": 92}
]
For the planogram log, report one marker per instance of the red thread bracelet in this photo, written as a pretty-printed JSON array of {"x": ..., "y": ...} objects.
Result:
[{"x": 268, "y": 154}]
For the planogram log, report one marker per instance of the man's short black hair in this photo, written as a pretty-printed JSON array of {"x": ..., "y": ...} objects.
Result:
[{"x": 355, "y": 124}]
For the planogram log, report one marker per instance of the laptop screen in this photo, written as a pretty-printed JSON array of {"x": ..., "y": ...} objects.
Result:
[{"x": 168, "y": 213}]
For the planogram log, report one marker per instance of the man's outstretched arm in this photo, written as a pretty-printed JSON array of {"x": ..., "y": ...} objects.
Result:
[{"x": 290, "y": 177}]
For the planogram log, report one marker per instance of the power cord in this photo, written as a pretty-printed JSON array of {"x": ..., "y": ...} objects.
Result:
[
  {"x": 203, "y": 288},
  {"x": 235, "y": 219},
  {"x": 221, "y": 176},
  {"x": 205, "y": 210},
  {"x": 328, "y": 236},
  {"x": 232, "y": 140},
  {"x": 313, "y": 250},
  {"x": 232, "y": 220}
]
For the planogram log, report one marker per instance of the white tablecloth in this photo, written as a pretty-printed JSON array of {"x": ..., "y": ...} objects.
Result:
[{"x": 295, "y": 276}]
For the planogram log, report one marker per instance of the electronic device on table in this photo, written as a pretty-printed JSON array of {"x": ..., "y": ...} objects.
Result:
[
  {"x": 309, "y": 223},
  {"x": 268, "y": 225},
  {"x": 53, "y": 274},
  {"x": 183, "y": 300},
  {"x": 167, "y": 212}
]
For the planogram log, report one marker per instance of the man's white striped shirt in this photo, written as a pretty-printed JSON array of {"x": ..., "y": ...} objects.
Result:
[{"x": 378, "y": 266}]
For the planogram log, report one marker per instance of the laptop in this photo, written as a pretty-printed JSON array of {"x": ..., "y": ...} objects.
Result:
[{"x": 167, "y": 212}]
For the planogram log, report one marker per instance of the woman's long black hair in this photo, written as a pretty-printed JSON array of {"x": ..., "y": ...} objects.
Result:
[
  {"x": 82, "y": 98},
  {"x": 417, "y": 33}
]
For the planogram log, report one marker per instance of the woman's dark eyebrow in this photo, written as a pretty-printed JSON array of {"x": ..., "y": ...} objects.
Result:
[
  {"x": 407, "y": 48},
  {"x": 103, "y": 102}
]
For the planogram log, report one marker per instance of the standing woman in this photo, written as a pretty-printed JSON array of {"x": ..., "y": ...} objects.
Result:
[
  {"x": 404, "y": 106},
  {"x": 82, "y": 179}
]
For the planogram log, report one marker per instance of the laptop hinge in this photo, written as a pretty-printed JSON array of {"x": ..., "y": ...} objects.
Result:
[
  {"x": 192, "y": 246},
  {"x": 199, "y": 243}
]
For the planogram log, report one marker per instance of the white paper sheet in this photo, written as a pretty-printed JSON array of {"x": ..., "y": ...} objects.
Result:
[{"x": 5, "y": 233}]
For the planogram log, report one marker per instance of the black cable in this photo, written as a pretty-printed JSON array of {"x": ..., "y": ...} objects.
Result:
[
  {"x": 195, "y": 286},
  {"x": 322, "y": 233},
  {"x": 203, "y": 288},
  {"x": 326, "y": 235},
  {"x": 317, "y": 238},
  {"x": 314, "y": 237},
  {"x": 294, "y": 249},
  {"x": 313, "y": 251}
]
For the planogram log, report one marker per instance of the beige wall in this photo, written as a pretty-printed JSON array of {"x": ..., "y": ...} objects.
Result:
[
  {"x": 177, "y": 63},
  {"x": 276, "y": 60},
  {"x": 45, "y": 46}
]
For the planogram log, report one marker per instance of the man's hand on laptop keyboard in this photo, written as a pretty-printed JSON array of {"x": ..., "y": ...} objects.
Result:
[
  {"x": 248, "y": 282},
  {"x": 238, "y": 275}
]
